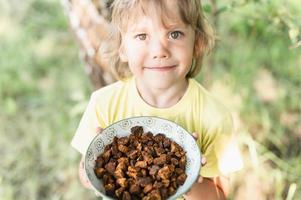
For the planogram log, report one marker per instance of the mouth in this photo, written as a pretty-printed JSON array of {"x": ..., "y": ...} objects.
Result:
[{"x": 161, "y": 68}]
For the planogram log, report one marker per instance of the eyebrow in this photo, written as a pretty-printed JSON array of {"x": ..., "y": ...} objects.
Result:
[
  {"x": 166, "y": 26},
  {"x": 137, "y": 29}
]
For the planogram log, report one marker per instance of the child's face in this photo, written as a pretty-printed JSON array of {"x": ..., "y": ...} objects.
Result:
[{"x": 158, "y": 55}]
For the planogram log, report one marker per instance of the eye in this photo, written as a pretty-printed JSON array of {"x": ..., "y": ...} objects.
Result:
[
  {"x": 141, "y": 36},
  {"x": 176, "y": 34}
]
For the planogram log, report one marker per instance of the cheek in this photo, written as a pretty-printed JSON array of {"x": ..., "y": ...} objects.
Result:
[
  {"x": 135, "y": 63},
  {"x": 136, "y": 54},
  {"x": 189, "y": 54},
  {"x": 184, "y": 54}
]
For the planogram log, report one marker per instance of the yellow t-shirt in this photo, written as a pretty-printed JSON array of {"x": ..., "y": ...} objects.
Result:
[{"x": 197, "y": 111}]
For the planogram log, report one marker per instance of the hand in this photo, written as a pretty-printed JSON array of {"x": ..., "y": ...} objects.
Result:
[
  {"x": 203, "y": 163},
  {"x": 98, "y": 131},
  {"x": 82, "y": 174},
  {"x": 203, "y": 160}
]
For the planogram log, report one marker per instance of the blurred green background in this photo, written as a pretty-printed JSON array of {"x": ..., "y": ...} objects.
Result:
[{"x": 255, "y": 70}]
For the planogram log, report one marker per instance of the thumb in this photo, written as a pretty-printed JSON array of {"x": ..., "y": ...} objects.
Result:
[
  {"x": 200, "y": 179},
  {"x": 98, "y": 130},
  {"x": 203, "y": 161},
  {"x": 97, "y": 193},
  {"x": 195, "y": 135}
]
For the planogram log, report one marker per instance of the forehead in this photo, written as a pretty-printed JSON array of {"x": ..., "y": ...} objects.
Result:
[
  {"x": 145, "y": 22},
  {"x": 166, "y": 13}
]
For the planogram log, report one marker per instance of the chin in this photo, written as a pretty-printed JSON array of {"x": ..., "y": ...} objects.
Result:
[{"x": 161, "y": 83}]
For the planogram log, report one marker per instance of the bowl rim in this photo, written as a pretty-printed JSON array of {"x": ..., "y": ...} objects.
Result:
[{"x": 198, "y": 164}]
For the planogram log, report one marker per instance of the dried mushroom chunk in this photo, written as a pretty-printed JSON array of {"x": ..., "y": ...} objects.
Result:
[{"x": 141, "y": 166}]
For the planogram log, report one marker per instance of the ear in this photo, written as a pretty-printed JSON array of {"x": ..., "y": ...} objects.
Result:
[{"x": 122, "y": 54}]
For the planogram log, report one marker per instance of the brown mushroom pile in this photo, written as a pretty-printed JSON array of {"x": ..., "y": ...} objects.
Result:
[{"x": 141, "y": 166}]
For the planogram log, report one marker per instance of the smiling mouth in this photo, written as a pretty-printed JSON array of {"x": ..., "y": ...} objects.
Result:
[{"x": 161, "y": 68}]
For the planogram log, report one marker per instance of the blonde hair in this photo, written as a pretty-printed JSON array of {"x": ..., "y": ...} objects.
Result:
[{"x": 123, "y": 11}]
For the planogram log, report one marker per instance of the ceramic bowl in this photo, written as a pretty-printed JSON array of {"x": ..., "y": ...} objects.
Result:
[{"x": 155, "y": 125}]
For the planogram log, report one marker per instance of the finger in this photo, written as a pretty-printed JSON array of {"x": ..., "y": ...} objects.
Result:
[
  {"x": 88, "y": 184},
  {"x": 187, "y": 193},
  {"x": 98, "y": 130},
  {"x": 200, "y": 179},
  {"x": 97, "y": 193},
  {"x": 84, "y": 179},
  {"x": 195, "y": 135},
  {"x": 82, "y": 175},
  {"x": 81, "y": 163},
  {"x": 203, "y": 161}
]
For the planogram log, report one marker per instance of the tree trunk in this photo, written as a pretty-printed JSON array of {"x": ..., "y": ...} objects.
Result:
[{"x": 90, "y": 21}]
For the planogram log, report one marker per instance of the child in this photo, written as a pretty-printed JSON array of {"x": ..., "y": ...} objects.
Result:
[{"x": 160, "y": 46}]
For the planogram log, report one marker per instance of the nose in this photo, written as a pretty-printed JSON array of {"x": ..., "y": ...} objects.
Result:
[{"x": 159, "y": 49}]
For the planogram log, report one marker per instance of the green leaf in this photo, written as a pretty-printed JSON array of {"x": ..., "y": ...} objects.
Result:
[{"x": 207, "y": 8}]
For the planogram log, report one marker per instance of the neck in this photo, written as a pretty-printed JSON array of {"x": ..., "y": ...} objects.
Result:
[{"x": 162, "y": 97}]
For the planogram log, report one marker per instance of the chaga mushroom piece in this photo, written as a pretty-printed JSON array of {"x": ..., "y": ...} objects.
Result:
[
  {"x": 145, "y": 138},
  {"x": 122, "y": 165},
  {"x": 126, "y": 196},
  {"x": 106, "y": 155},
  {"x": 119, "y": 192},
  {"x": 166, "y": 182},
  {"x": 159, "y": 137},
  {"x": 99, "y": 162},
  {"x": 147, "y": 157},
  {"x": 153, "y": 170},
  {"x": 159, "y": 151},
  {"x": 122, "y": 182},
  {"x": 110, "y": 167},
  {"x": 133, "y": 154},
  {"x": 165, "y": 172},
  {"x": 166, "y": 143},
  {"x": 160, "y": 160},
  {"x": 144, "y": 181},
  {"x": 179, "y": 171},
  {"x": 110, "y": 188},
  {"x": 107, "y": 178},
  {"x": 144, "y": 172},
  {"x": 141, "y": 166},
  {"x": 123, "y": 160},
  {"x": 150, "y": 150},
  {"x": 158, "y": 184},
  {"x": 119, "y": 173},
  {"x": 181, "y": 179},
  {"x": 114, "y": 147},
  {"x": 137, "y": 130},
  {"x": 123, "y": 141},
  {"x": 171, "y": 191},
  {"x": 135, "y": 189},
  {"x": 153, "y": 195},
  {"x": 123, "y": 148},
  {"x": 148, "y": 188},
  {"x": 182, "y": 163},
  {"x": 99, "y": 172},
  {"x": 176, "y": 148},
  {"x": 133, "y": 172},
  {"x": 174, "y": 161},
  {"x": 164, "y": 192}
]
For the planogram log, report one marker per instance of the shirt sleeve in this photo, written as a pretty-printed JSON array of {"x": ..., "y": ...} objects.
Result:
[
  {"x": 86, "y": 130},
  {"x": 219, "y": 146}
]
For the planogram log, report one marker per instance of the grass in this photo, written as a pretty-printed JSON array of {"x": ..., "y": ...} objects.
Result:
[{"x": 43, "y": 91}]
